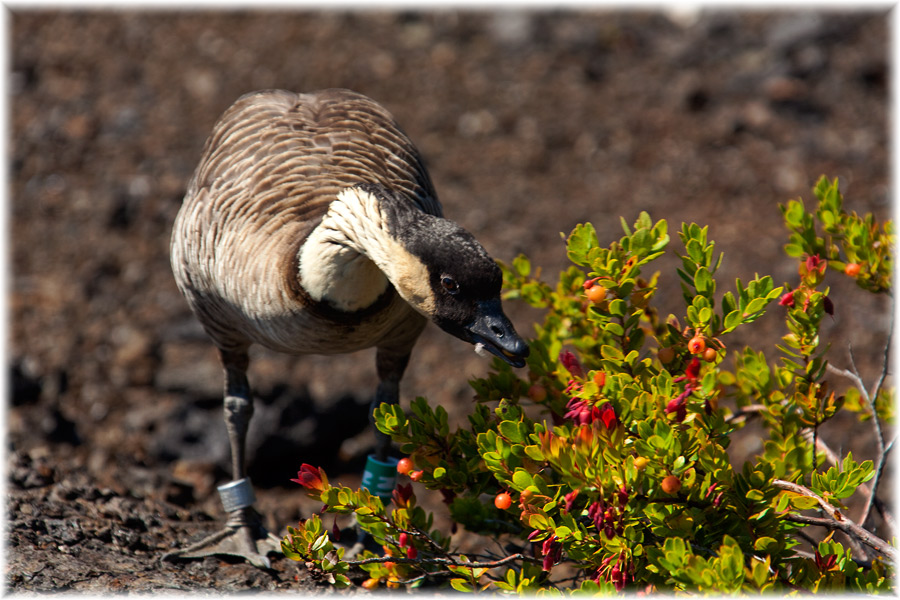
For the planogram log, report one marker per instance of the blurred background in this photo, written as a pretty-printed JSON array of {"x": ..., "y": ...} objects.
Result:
[{"x": 530, "y": 122}]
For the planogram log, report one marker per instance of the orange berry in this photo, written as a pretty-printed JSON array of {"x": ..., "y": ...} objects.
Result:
[
  {"x": 709, "y": 355},
  {"x": 390, "y": 564},
  {"x": 600, "y": 379},
  {"x": 503, "y": 501},
  {"x": 404, "y": 466},
  {"x": 640, "y": 463},
  {"x": 671, "y": 484},
  {"x": 537, "y": 392},
  {"x": 697, "y": 344},
  {"x": 370, "y": 584},
  {"x": 596, "y": 294},
  {"x": 416, "y": 475},
  {"x": 852, "y": 269},
  {"x": 666, "y": 355}
]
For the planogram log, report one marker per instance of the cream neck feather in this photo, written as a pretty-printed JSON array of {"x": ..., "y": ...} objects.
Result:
[{"x": 351, "y": 257}]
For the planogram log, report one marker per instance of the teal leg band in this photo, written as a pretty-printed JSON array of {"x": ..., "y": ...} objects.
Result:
[{"x": 380, "y": 477}]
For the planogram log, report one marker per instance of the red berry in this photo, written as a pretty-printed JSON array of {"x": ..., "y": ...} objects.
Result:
[
  {"x": 402, "y": 540},
  {"x": 666, "y": 355},
  {"x": 596, "y": 294},
  {"x": 671, "y": 484},
  {"x": 852, "y": 269},
  {"x": 404, "y": 466},
  {"x": 697, "y": 344},
  {"x": 537, "y": 392},
  {"x": 412, "y": 553},
  {"x": 503, "y": 501},
  {"x": 416, "y": 475}
]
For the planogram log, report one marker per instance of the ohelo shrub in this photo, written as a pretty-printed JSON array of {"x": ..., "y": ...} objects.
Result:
[{"x": 604, "y": 464}]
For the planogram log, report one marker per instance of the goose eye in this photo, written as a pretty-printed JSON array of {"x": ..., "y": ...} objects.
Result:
[{"x": 449, "y": 284}]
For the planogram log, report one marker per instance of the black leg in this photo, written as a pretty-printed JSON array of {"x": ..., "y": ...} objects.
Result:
[{"x": 390, "y": 366}]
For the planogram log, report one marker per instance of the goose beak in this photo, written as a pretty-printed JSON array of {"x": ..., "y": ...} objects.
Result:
[{"x": 492, "y": 331}]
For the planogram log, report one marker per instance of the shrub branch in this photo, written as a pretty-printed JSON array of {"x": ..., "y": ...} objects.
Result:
[
  {"x": 446, "y": 561},
  {"x": 837, "y": 520}
]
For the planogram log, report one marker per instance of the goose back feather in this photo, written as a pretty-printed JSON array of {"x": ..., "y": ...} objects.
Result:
[{"x": 271, "y": 168}]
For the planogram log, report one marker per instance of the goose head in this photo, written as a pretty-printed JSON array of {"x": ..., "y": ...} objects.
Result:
[{"x": 461, "y": 291}]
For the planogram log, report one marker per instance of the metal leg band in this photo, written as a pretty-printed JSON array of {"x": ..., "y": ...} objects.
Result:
[{"x": 237, "y": 494}]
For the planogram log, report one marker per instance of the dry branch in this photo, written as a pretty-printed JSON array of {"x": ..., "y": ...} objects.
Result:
[{"x": 837, "y": 520}]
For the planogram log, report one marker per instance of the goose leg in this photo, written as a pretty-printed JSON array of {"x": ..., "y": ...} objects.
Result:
[
  {"x": 388, "y": 391},
  {"x": 244, "y": 534},
  {"x": 390, "y": 366}
]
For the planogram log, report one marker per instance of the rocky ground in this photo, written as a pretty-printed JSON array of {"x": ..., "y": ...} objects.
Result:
[{"x": 530, "y": 122}]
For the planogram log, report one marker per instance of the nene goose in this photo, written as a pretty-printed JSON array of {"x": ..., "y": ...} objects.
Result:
[{"x": 312, "y": 226}]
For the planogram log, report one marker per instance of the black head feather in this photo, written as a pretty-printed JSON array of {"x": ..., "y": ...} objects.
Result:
[
  {"x": 464, "y": 280},
  {"x": 461, "y": 272}
]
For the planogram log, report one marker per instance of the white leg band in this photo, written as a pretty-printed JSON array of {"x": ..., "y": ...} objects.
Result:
[{"x": 237, "y": 494}]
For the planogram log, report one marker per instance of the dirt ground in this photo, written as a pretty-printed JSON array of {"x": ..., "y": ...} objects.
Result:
[{"x": 530, "y": 122}]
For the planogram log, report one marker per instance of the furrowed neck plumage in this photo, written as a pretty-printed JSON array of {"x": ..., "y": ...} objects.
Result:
[{"x": 354, "y": 253}]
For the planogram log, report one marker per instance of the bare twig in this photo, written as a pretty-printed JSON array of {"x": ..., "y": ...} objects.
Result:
[
  {"x": 446, "y": 561},
  {"x": 882, "y": 450},
  {"x": 888, "y": 518},
  {"x": 863, "y": 488},
  {"x": 885, "y": 362},
  {"x": 854, "y": 376},
  {"x": 837, "y": 520},
  {"x": 746, "y": 412}
]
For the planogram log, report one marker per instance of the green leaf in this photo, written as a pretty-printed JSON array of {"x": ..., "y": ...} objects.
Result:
[
  {"x": 611, "y": 353},
  {"x": 803, "y": 502},
  {"x": 522, "y": 265},
  {"x": 534, "y": 452},
  {"x": 615, "y": 329},
  {"x": 766, "y": 545},
  {"x": 289, "y": 552},
  {"x": 461, "y": 585},
  {"x": 320, "y": 542},
  {"x": 732, "y": 320},
  {"x": 563, "y": 532},
  {"x": 703, "y": 281},
  {"x": 617, "y": 307},
  {"x": 580, "y": 241},
  {"x": 510, "y": 430},
  {"x": 522, "y": 479}
]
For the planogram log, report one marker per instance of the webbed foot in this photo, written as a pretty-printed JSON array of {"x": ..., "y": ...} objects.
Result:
[{"x": 243, "y": 536}]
